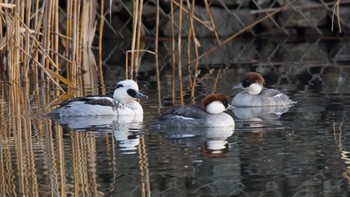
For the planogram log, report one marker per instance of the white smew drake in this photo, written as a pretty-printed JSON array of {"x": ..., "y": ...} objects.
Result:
[{"x": 123, "y": 103}]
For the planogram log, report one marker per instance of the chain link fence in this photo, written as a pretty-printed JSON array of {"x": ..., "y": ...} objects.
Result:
[{"x": 215, "y": 21}]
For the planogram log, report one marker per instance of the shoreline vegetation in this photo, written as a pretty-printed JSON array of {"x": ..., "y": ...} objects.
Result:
[{"x": 49, "y": 43}]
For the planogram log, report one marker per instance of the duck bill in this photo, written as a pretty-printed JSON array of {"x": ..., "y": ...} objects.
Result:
[
  {"x": 141, "y": 96},
  {"x": 230, "y": 107},
  {"x": 237, "y": 86}
]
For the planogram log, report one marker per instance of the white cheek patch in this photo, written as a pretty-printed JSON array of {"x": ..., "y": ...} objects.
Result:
[
  {"x": 254, "y": 88},
  {"x": 215, "y": 107}
]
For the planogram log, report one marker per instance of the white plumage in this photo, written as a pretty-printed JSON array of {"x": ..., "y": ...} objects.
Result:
[
  {"x": 255, "y": 95},
  {"x": 123, "y": 103}
]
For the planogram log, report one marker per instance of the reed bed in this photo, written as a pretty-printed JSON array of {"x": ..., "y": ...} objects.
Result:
[{"x": 45, "y": 42}]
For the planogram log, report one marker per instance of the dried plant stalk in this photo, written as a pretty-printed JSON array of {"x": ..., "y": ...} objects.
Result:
[
  {"x": 100, "y": 61},
  {"x": 193, "y": 80},
  {"x": 37, "y": 47},
  {"x": 156, "y": 56},
  {"x": 173, "y": 56},
  {"x": 336, "y": 13},
  {"x": 179, "y": 66},
  {"x": 212, "y": 22}
]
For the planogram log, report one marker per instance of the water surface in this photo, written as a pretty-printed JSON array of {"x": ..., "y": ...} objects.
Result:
[{"x": 298, "y": 151}]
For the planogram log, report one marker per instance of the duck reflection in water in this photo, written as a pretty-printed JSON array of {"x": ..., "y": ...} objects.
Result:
[
  {"x": 125, "y": 129},
  {"x": 216, "y": 145},
  {"x": 256, "y": 120},
  {"x": 213, "y": 138},
  {"x": 260, "y": 113}
]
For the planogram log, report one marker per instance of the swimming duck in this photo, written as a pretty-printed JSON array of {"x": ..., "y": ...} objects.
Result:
[
  {"x": 123, "y": 103},
  {"x": 254, "y": 94},
  {"x": 210, "y": 114}
]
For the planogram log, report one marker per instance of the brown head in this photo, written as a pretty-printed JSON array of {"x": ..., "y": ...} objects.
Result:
[
  {"x": 252, "y": 77},
  {"x": 215, "y": 103},
  {"x": 253, "y": 82}
]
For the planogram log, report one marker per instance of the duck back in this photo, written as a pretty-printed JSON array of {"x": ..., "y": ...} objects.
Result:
[{"x": 267, "y": 97}]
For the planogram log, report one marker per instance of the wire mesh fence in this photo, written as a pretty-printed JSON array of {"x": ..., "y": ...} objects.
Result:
[
  {"x": 215, "y": 23},
  {"x": 314, "y": 15}
]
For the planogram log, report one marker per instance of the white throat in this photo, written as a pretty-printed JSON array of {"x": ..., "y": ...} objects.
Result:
[
  {"x": 254, "y": 88},
  {"x": 122, "y": 96},
  {"x": 215, "y": 107}
]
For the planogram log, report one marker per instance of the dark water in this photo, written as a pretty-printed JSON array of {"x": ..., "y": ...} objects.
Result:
[{"x": 300, "y": 151}]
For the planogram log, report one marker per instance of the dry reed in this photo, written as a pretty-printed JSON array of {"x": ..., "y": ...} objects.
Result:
[
  {"x": 336, "y": 13},
  {"x": 156, "y": 56},
  {"x": 179, "y": 42},
  {"x": 47, "y": 43}
]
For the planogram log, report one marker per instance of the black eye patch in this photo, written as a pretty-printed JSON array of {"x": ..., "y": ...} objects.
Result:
[
  {"x": 225, "y": 104},
  {"x": 131, "y": 92},
  {"x": 119, "y": 86},
  {"x": 246, "y": 83}
]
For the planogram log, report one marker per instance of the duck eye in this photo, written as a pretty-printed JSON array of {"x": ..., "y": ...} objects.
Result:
[
  {"x": 119, "y": 86},
  {"x": 131, "y": 92},
  {"x": 246, "y": 83},
  {"x": 225, "y": 104}
]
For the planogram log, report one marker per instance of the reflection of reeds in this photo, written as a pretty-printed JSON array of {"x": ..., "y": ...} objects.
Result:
[
  {"x": 84, "y": 164},
  {"x": 145, "y": 176},
  {"x": 344, "y": 154},
  {"x": 19, "y": 167},
  {"x": 36, "y": 160}
]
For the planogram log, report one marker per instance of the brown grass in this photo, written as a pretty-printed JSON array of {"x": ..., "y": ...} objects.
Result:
[{"x": 44, "y": 43}]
